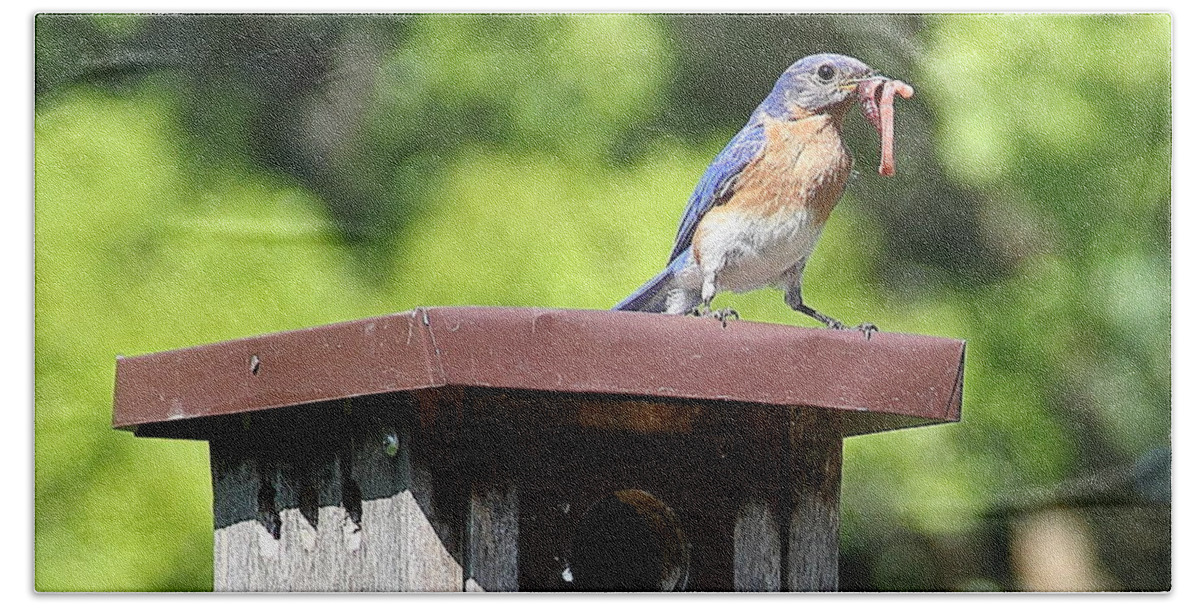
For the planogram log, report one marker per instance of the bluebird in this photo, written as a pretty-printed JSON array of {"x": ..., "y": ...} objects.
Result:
[{"x": 758, "y": 210}]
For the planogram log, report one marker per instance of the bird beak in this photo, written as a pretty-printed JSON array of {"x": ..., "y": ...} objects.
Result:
[{"x": 853, "y": 83}]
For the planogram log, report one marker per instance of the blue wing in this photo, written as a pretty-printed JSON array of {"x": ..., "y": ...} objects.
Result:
[
  {"x": 715, "y": 187},
  {"x": 720, "y": 180}
]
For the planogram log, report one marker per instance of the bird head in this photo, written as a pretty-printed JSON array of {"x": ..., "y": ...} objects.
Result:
[{"x": 818, "y": 84}]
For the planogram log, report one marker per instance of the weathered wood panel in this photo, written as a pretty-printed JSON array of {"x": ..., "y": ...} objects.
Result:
[
  {"x": 493, "y": 532},
  {"x": 328, "y": 516},
  {"x": 815, "y": 463},
  {"x": 757, "y": 554},
  {"x": 402, "y": 548},
  {"x": 245, "y": 543}
]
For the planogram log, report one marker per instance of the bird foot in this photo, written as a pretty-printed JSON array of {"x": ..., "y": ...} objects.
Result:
[
  {"x": 722, "y": 315},
  {"x": 867, "y": 329}
]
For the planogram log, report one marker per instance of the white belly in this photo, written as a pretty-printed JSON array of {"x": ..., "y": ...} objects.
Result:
[{"x": 745, "y": 252}]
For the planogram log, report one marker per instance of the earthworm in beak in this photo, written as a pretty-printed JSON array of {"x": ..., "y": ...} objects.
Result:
[{"x": 876, "y": 96}]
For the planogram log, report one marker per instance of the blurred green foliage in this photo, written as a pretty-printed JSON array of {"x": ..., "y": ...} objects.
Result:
[{"x": 200, "y": 178}]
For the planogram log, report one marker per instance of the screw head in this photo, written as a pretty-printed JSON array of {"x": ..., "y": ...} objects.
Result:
[{"x": 391, "y": 442}]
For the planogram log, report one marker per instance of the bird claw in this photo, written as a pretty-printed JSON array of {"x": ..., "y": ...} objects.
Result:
[
  {"x": 722, "y": 315},
  {"x": 867, "y": 329}
]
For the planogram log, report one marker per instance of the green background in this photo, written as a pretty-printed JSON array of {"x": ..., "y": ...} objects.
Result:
[{"x": 202, "y": 178}]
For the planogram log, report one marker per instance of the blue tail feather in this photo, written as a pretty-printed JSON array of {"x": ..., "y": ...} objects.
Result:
[{"x": 652, "y": 295}]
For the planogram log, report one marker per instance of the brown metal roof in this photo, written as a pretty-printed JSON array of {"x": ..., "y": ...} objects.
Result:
[{"x": 891, "y": 381}]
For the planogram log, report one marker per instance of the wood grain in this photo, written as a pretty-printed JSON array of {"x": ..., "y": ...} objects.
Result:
[
  {"x": 815, "y": 457},
  {"x": 352, "y": 517}
]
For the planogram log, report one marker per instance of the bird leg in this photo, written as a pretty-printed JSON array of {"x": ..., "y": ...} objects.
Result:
[
  {"x": 707, "y": 292},
  {"x": 795, "y": 300}
]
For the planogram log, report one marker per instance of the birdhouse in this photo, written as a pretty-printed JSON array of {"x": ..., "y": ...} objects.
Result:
[{"x": 506, "y": 449}]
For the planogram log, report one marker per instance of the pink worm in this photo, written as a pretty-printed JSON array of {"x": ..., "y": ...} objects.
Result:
[{"x": 877, "y": 96}]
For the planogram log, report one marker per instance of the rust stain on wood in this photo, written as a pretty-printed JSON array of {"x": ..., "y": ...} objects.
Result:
[{"x": 642, "y": 417}]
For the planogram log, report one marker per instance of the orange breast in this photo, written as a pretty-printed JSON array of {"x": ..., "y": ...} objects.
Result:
[{"x": 805, "y": 166}]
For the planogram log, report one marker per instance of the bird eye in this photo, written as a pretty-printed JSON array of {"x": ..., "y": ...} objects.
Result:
[{"x": 825, "y": 72}]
